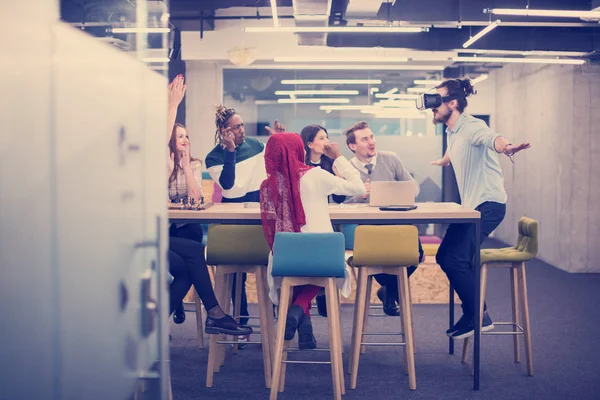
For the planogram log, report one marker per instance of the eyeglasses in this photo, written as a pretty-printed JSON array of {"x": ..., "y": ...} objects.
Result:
[{"x": 236, "y": 127}]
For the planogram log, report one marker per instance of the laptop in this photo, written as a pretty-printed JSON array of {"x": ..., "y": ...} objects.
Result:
[{"x": 393, "y": 194}]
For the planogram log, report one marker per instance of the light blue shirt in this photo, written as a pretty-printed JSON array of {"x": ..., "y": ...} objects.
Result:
[{"x": 475, "y": 161}]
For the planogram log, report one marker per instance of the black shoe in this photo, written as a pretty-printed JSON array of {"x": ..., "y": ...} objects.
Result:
[
  {"x": 458, "y": 325},
  {"x": 468, "y": 329},
  {"x": 292, "y": 320},
  {"x": 322, "y": 304},
  {"x": 179, "y": 314},
  {"x": 225, "y": 325},
  {"x": 306, "y": 338},
  {"x": 389, "y": 304}
]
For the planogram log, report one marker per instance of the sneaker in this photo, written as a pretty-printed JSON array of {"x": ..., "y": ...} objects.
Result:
[
  {"x": 467, "y": 330},
  {"x": 458, "y": 325},
  {"x": 179, "y": 314},
  {"x": 292, "y": 320},
  {"x": 322, "y": 304},
  {"x": 243, "y": 341},
  {"x": 389, "y": 304},
  {"x": 226, "y": 325},
  {"x": 306, "y": 338}
]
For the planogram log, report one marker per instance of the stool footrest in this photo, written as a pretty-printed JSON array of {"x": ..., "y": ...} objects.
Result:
[
  {"x": 383, "y": 333},
  {"x": 296, "y": 349},
  {"x": 235, "y": 342},
  {"x": 305, "y": 362},
  {"x": 501, "y": 333},
  {"x": 382, "y": 344}
]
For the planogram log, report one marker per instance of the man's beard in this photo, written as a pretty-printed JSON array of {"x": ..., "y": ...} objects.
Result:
[{"x": 441, "y": 119}]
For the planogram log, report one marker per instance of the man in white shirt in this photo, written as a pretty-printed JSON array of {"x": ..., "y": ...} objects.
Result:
[{"x": 378, "y": 166}]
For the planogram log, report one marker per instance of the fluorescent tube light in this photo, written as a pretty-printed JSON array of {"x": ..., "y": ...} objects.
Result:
[
  {"x": 374, "y": 90},
  {"x": 340, "y": 108},
  {"x": 427, "y": 82},
  {"x": 396, "y": 96},
  {"x": 155, "y": 59},
  {"x": 482, "y": 33},
  {"x": 419, "y": 89},
  {"x": 568, "y": 61},
  {"x": 543, "y": 13},
  {"x": 315, "y": 92},
  {"x": 369, "y": 67},
  {"x": 313, "y": 101},
  {"x": 140, "y": 30},
  {"x": 331, "y": 82},
  {"x": 479, "y": 79},
  {"x": 335, "y": 29},
  {"x": 328, "y": 58}
]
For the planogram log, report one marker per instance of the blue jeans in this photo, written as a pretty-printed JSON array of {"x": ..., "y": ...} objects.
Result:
[{"x": 457, "y": 250}]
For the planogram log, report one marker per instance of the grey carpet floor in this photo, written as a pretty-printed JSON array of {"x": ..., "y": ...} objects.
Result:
[{"x": 565, "y": 320}]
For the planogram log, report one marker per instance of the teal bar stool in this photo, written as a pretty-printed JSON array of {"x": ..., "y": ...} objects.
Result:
[
  {"x": 513, "y": 258},
  {"x": 237, "y": 249},
  {"x": 309, "y": 259}
]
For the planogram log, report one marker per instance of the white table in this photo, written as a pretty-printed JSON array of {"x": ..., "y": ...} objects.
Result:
[{"x": 425, "y": 213}]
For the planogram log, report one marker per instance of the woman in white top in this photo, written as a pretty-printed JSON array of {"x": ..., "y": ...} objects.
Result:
[{"x": 293, "y": 198}]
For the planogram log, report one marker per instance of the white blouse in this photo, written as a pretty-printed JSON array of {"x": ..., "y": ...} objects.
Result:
[{"x": 315, "y": 187}]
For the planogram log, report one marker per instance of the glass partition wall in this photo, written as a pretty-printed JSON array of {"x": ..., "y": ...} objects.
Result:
[{"x": 338, "y": 99}]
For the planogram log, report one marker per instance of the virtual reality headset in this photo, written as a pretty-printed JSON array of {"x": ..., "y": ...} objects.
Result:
[{"x": 432, "y": 100}]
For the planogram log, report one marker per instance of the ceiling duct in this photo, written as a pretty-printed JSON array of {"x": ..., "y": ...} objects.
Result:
[{"x": 312, "y": 13}]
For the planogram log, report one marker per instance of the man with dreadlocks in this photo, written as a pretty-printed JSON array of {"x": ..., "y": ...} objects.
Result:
[{"x": 237, "y": 164}]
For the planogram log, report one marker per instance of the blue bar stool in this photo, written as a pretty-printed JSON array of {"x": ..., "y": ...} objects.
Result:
[
  {"x": 235, "y": 249},
  {"x": 309, "y": 259}
]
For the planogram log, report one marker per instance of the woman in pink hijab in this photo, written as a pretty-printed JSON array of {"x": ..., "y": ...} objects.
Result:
[{"x": 294, "y": 198}]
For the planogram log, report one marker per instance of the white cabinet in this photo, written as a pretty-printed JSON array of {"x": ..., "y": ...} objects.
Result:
[{"x": 83, "y": 220}]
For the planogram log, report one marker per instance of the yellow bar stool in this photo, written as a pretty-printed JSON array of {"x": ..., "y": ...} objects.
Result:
[
  {"x": 236, "y": 249},
  {"x": 389, "y": 250},
  {"x": 309, "y": 259},
  {"x": 514, "y": 258}
]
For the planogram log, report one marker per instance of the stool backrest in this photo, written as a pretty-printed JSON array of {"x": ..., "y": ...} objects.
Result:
[
  {"x": 237, "y": 245},
  {"x": 528, "y": 236},
  {"x": 309, "y": 254},
  {"x": 386, "y": 245}
]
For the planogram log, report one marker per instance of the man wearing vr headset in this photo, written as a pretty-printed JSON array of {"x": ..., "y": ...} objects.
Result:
[{"x": 473, "y": 150}]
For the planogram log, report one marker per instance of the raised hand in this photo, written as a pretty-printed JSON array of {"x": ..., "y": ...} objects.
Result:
[
  {"x": 367, "y": 187},
  {"x": 185, "y": 160},
  {"x": 332, "y": 150},
  {"x": 177, "y": 90},
  {"x": 511, "y": 149},
  {"x": 278, "y": 126},
  {"x": 441, "y": 162},
  {"x": 227, "y": 139}
]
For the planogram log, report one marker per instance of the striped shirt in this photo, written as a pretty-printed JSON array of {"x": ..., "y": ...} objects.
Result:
[{"x": 178, "y": 187}]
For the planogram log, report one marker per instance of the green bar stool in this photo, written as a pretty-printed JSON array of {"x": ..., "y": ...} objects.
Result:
[
  {"x": 237, "y": 249},
  {"x": 514, "y": 258},
  {"x": 389, "y": 250}
]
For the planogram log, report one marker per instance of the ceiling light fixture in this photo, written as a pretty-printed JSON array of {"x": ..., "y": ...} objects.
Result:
[
  {"x": 315, "y": 92},
  {"x": 341, "y": 108},
  {"x": 331, "y": 82},
  {"x": 419, "y": 89},
  {"x": 140, "y": 30},
  {"x": 396, "y": 96},
  {"x": 370, "y": 67},
  {"x": 480, "y": 78},
  {"x": 313, "y": 101},
  {"x": 482, "y": 33},
  {"x": 335, "y": 29},
  {"x": 427, "y": 82},
  {"x": 328, "y": 58},
  {"x": 566, "y": 61},
  {"x": 543, "y": 13}
]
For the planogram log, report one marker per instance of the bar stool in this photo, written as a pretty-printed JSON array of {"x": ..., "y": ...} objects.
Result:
[
  {"x": 298, "y": 266},
  {"x": 235, "y": 249},
  {"x": 390, "y": 250},
  {"x": 514, "y": 258}
]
